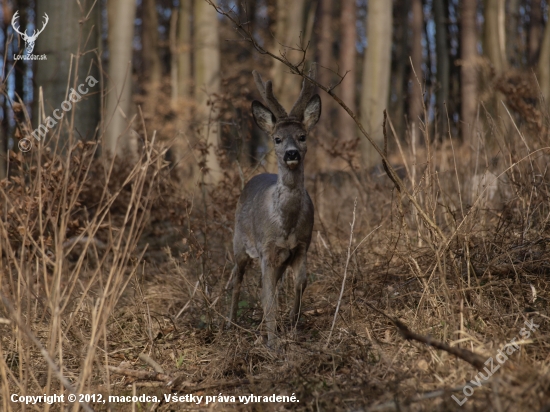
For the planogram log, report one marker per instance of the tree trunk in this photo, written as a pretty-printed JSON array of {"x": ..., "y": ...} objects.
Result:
[
  {"x": 401, "y": 64},
  {"x": 184, "y": 49},
  {"x": 376, "y": 75},
  {"x": 152, "y": 66},
  {"x": 416, "y": 98},
  {"x": 494, "y": 34},
  {"x": 76, "y": 36},
  {"x": 544, "y": 65},
  {"x": 468, "y": 73},
  {"x": 536, "y": 27},
  {"x": 514, "y": 47},
  {"x": 441, "y": 11},
  {"x": 327, "y": 63},
  {"x": 494, "y": 48},
  {"x": 348, "y": 52},
  {"x": 207, "y": 82},
  {"x": 181, "y": 80},
  {"x": 121, "y": 15},
  {"x": 288, "y": 35},
  {"x": 289, "y": 28},
  {"x": 324, "y": 51}
]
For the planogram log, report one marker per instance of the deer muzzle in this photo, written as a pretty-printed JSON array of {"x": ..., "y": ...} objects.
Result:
[{"x": 292, "y": 158}]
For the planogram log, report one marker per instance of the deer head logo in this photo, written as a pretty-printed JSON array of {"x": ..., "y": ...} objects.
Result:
[{"x": 29, "y": 40}]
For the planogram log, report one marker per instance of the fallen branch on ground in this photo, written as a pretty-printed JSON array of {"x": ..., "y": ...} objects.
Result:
[{"x": 472, "y": 358}]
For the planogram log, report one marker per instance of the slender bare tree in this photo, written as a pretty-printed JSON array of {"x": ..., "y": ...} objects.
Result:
[
  {"x": 325, "y": 39},
  {"x": 400, "y": 66},
  {"x": 289, "y": 33},
  {"x": 494, "y": 34},
  {"x": 376, "y": 75},
  {"x": 468, "y": 72},
  {"x": 512, "y": 37},
  {"x": 72, "y": 34},
  {"x": 416, "y": 78},
  {"x": 536, "y": 27},
  {"x": 121, "y": 15},
  {"x": 348, "y": 54},
  {"x": 183, "y": 50},
  {"x": 289, "y": 39},
  {"x": 544, "y": 65},
  {"x": 443, "y": 65},
  {"x": 207, "y": 81},
  {"x": 327, "y": 63},
  {"x": 150, "y": 54}
]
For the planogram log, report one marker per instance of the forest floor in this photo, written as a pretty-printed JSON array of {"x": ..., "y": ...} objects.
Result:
[{"x": 136, "y": 303}]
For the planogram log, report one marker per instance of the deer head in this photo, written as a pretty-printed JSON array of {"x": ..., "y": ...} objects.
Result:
[
  {"x": 288, "y": 131},
  {"x": 29, "y": 40}
]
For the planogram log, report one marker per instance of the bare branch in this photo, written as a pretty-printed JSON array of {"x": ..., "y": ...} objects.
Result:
[{"x": 330, "y": 90}]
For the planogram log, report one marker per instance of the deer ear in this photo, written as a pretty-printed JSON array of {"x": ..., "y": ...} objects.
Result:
[
  {"x": 312, "y": 112},
  {"x": 263, "y": 117}
]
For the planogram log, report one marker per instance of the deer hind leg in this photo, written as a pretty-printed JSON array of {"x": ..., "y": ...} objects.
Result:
[
  {"x": 270, "y": 275},
  {"x": 241, "y": 261},
  {"x": 299, "y": 267}
]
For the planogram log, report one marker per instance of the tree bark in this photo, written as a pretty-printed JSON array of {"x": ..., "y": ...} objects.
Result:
[
  {"x": 324, "y": 49},
  {"x": 76, "y": 39},
  {"x": 494, "y": 34},
  {"x": 536, "y": 27},
  {"x": 416, "y": 79},
  {"x": 441, "y": 11},
  {"x": 289, "y": 29},
  {"x": 327, "y": 62},
  {"x": 152, "y": 66},
  {"x": 348, "y": 53},
  {"x": 376, "y": 75},
  {"x": 184, "y": 49},
  {"x": 468, "y": 72},
  {"x": 544, "y": 65},
  {"x": 288, "y": 35},
  {"x": 121, "y": 15},
  {"x": 207, "y": 82},
  {"x": 514, "y": 47},
  {"x": 401, "y": 64}
]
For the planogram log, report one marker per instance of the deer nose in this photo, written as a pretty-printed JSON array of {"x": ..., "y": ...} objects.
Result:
[{"x": 292, "y": 155}]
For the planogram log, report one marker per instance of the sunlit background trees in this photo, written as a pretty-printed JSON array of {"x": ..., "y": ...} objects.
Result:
[{"x": 438, "y": 66}]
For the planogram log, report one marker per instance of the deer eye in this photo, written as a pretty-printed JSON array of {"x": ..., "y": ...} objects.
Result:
[
  {"x": 277, "y": 140},
  {"x": 302, "y": 138}
]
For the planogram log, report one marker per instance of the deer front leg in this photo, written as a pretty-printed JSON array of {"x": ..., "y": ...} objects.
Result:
[
  {"x": 299, "y": 267},
  {"x": 270, "y": 276},
  {"x": 237, "y": 277}
]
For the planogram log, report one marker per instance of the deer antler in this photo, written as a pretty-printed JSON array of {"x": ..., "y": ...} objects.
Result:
[
  {"x": 13, "y": 22},
  {"x": 307, "y": 91},
  {"x": 46, "y": 20},
  {"x": 266, "y": 91}
]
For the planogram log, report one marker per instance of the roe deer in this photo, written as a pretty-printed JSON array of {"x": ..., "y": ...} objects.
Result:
[{"x": 274, "y": 217}]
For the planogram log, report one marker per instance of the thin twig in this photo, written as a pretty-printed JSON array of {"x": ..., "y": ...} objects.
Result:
[
  {"x": 296, "y": 69},
  {"x": 151, "y": 362},
  {"x": 345, "y": 273}
]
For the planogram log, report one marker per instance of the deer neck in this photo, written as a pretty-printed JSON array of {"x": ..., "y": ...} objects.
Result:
[{"x": 289, "y": 195}]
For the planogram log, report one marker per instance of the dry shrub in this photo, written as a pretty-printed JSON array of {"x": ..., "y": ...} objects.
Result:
[{"x": 463, "y": 259}]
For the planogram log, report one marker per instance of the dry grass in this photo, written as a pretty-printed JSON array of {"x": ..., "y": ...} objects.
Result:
[
  {"x": 102, "y": 262},
  {"x": 78, "y": 279}
]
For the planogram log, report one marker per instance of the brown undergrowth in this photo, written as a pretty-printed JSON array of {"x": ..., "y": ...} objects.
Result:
[{"x": 112, "y": 283}]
